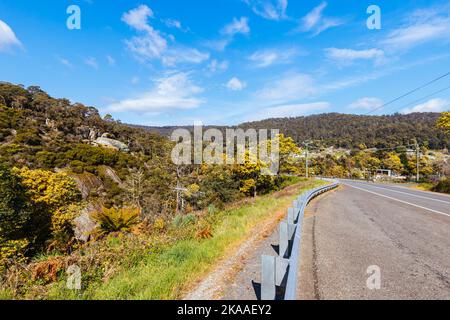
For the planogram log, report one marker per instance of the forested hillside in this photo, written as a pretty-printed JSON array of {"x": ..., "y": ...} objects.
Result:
[
  {"x": 68, "y": 176},
  {"x": 350, "y": 131}
]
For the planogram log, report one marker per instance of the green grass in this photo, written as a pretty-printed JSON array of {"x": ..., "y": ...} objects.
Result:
[
  {"x": 175, "y": 269},
  {"x": 425, "y": 186}
]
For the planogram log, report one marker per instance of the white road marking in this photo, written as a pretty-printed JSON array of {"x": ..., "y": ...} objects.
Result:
[
  {"x": 440, "y": 194},
  {"x": 409, "y": 203},
  {"x": 409, "y": 194}
]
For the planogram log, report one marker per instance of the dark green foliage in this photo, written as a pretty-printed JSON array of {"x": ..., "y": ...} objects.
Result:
[
  {"x": 349, "y": 130},
  {"x": 15, "y": 213},
  {"x": 443, "y": 186}
]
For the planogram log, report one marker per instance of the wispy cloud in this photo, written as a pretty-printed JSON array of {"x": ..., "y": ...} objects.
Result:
[
  {"x": 135, "y": 80},
  {"x": 420, "y": 26},
  {"x": 181, "y": 54},
  {"x": 289, "y": 87},
  {"x": 366, "y": 103},
  {"x": 172, "y": 92},
  {"x": 315, "y": 21},
  {"x": 348, "y": 56},
  {"x": 235, "y": 84},
  {"x": 433, "y": 105},
  {"x": 172, "y": 23},
  {"x": 8, "y": 38},
  {"x": 65, "y": 62},
  {"x": 111, "y": 60},
  {"x": 269, "y": 9},
  {"x": 291, "y": 110},
  {"x": 228, "y": 33},
  {"x": 218, "y": 66},
  {"x": 267, "y": 57},
  {"x": 235, "y": 27},
  {"x": 91, "y": 62},
  {"x": 150, "y": 44}
]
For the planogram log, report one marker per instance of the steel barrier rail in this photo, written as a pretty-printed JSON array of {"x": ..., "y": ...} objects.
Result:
[{"x": 274, "y": 269}]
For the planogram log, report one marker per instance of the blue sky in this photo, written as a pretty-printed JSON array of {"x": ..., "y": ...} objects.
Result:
[{"x": 173, "y": 62}]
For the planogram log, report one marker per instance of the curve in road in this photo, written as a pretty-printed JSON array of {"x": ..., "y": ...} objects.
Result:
[{"x": 406, "y": 233}]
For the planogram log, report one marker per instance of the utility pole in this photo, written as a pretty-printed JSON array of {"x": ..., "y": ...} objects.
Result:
[
  {"x": 306, "y": 144},
  {"x": 417, "y": 161}
]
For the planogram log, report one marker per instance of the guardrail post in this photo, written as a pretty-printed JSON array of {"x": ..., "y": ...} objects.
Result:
[
  {"x": 268, "y": 278},
  {"x": 291, "y": 230},
  {"x": 291, "y": 215},
  {"x": 284, "y": 239},
  {"x": 281, "y": 268}
]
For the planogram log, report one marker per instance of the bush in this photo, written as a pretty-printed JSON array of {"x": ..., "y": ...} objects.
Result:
[
  {"x": 443, "y": 186},
  {"x": 114, "y": 220},
  {"x": 184, "y": 220},
  {"x": 15, "y": 217}
]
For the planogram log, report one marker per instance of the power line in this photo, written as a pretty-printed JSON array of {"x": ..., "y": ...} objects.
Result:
[
  {"x": 409, "y": 92},
  {"x": 423, "y": 98}
]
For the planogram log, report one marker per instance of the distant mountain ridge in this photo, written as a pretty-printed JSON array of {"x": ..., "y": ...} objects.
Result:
[{"x": 349, "y": 130}]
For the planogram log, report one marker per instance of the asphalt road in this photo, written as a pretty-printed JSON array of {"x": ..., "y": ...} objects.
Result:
[{"x": 403, "y": 232}]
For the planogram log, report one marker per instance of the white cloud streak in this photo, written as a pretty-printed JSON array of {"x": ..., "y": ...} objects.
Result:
[
  {"x": 421, "y": 26},
  {"x": 293, "y": 110},
  {"x": 92, "y": 62},
  {"x": 315, "y": 22},
  {"x": 8, "y": 38},
  {"x": 235, "y": 84},
  {"x": 236, "y": 27},
  {"x": 292, "y": 86},
  {"x": 366, "y": 103},
  {"x": 433, "y": 105},
  {"x": 150, "y": 44},
  {"x": 268, "y": 57},
  {"x": 269, "y": 9},
  {"x": 348, "y": 56},
  {"x": 174, "y": 92}
]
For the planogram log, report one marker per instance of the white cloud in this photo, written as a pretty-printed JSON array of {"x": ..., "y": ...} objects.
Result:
[
  {"x": 150, "y": 43},
  {"x": 292, "y": 110},
  {"x": 8, "y": 38},
  {"x": 269, "y": 9},
  {"x": 228, "y": 32},
  {"x": 366, "y": 103},
  {"x": 236, "y": 27},
  {"x": 217, "y": 66},
  {"x": 138, "y": 18},
  {"x": 347, "y": 56},
  {"x": 111, "y": 60},
  {"x": 433, "y": 105},
  {"x": 421, "y": 26},
  {"x": 174, "y": 56},
  {"x": 316, "y": 22},
  {"x": 268, "y": 57},
  {"x": 65, "y": 62},
  {"x": 173, "y": 92},
  {"x": 92, "y": 62},
  {"x": 172, "y": 23},
  {"x": 235, "y": 84},
  {"x": 135, "y": 80},
  {"x": 292, "y": 86}
]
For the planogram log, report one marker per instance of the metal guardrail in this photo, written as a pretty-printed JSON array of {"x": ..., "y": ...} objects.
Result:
[{"x": 281, "y": 271}]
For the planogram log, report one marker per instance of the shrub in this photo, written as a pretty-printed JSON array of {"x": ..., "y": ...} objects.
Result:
[
  {"x": 159, "y": 224},
  {"x": 443, "y": 186},
  {"x": 114, "y": 220},
  {"x": 184, "y": 220}
]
